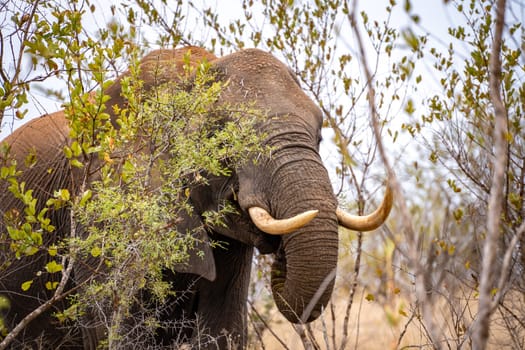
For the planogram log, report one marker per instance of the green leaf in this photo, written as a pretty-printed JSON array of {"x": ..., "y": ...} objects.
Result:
[
  {"x": 407, "y": 6},
  {"x": 26, "y": 285},
  {"x": 51, "y": 285},
  {"x": 4, "y": 304},
  {"x": 128, "y": 171},
  {"x": 458, "y": 214},
  {"x": 36, "y": 237},
  {"x": 96, "y": 251},
  {"x": 14, "y": 234},
  {"x": 409, "y": 107},
  {"x": 402, "y": 312},
  {"x": 85, "y": 197},
  {"x": 68, "y": 152},
  {"x": 27, "y": 229},
  {"x": 28, "y": 197},
  {"x": 76, "y": 149},
  {"x": 30, "y": 159},
  {"x": 53, "y": 267},
  {"x": 410, "y": 39},
  {"x": 52, "y": 251},
  {"x": 76, "y": 163},
  {"x": 30, "y": 250},
  {"x": 62, "y": 194},
  {"x": 4, "y": 172}
]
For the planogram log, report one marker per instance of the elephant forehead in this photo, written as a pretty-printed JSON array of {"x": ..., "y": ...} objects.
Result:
[
  {"x": 250, "y": 59},
  {"x": 258, "y": 76}
]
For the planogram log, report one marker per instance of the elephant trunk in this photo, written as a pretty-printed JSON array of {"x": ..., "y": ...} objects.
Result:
[
  {"x": 304, "y": 268},
  {"x": 302, "y": 290}
]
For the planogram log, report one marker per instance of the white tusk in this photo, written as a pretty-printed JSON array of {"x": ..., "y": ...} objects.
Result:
[
  {"x": 266, "y": 223},
  {"x": 367, "y": 222}
]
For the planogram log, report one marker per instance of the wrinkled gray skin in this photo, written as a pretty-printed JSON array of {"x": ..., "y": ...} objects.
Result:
[{"x": 291, "y": 181}]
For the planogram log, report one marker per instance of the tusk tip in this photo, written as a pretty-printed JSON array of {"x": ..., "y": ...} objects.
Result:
[
  {"x": 310, "y": 213},
  {"x": 372, "y": 221}
]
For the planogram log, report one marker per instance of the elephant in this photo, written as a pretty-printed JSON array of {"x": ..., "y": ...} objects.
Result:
[{"x": 285, "y": 207}]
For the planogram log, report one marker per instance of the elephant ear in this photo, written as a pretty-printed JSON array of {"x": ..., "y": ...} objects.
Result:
[{"x": 201, "y": 261}]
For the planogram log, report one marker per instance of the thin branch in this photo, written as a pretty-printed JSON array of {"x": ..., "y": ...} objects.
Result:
[
  {"x": 507, "y": 265},
  {"x": 405, "y": 328},
  {"x": 18, "y": 62},
  {"x": 333, "y": 318},
  {"x": 325, "y": 332},
  {"x": 300, "y": 329},
  {"x": 256, "y": 329},
  {"x": 23, "y": 41},
  {"x": 57, "y": 296},
  {"x": 353, "y": 289},
  {"x": 495, "y": 206},
  {"x": 267, "y": 326},
  {"x": 514, "y": 314}
]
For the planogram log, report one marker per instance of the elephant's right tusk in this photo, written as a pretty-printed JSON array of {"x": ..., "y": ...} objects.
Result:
[
  {"x": 266, "y": 223},
  {"x": 368, "y": 222}
]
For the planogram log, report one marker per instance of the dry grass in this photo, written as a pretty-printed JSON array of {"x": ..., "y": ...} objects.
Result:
[{"x": 373, "y": 325}]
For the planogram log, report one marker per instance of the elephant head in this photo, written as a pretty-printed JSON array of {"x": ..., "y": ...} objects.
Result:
[{"x": 285, "y": 202}]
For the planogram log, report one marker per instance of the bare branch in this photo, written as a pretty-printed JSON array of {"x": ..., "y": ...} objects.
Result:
[
  {"x": 353, "y": 289},
  {"x": 507, "y": 265},
  {"x": 57, "y": 296},
  {"x": 495, "y": 206},
  {"x": 266, "y": 325}
]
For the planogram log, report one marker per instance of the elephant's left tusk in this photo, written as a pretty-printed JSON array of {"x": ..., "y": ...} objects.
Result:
[
  {"x": 368, "y": 222},
  {"x": 266, "y": 223}
]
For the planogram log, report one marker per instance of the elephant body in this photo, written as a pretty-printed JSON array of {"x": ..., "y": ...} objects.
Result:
[{"x": 214, "y": 290}]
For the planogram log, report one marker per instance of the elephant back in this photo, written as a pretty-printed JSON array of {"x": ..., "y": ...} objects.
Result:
[
  {"x": 37, "y": 148},
  {"x": 156, "y": 68}
]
